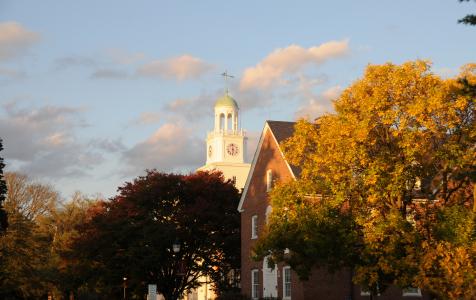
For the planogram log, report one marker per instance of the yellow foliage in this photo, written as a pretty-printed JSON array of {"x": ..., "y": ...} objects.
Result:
[{"x": 398, "y": 133}]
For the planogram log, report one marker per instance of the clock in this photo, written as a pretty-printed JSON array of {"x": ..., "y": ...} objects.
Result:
[
  {"x": 232, "y": 149},
  {"x": 210, "y": 151}
]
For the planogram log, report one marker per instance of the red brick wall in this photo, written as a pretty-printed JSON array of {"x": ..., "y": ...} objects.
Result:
[
  {"x": 255, "y": 203},
  {"x": 327, "y": 286}
]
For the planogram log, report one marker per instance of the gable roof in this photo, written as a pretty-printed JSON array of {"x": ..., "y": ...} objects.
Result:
[
  {"x": 280, "y": 131},
  {"x": 283, "y": 130}
]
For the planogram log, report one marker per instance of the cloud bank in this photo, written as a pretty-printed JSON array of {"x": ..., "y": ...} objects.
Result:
[
  {"x": 283, "y": 61},
  {"x": 170, "y": 148},
  {"x": 179, "y": 68},
  {"x": 42, "y": 141}
]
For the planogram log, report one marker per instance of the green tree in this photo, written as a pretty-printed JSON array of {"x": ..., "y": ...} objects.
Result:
[
  {"x": 3, "y": 192},
  {"x": 132, "y": 235},
  {"x": 398, "y": 133}
]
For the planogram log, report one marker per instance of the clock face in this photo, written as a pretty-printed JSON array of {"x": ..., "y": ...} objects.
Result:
[
  {"x": 210, "y": 151},
  {"x": 232, "y": 149}
]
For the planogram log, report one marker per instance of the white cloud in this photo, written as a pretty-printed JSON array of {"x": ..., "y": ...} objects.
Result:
[
  {"x": 179, "y": 68},
  {"x": 42, "y": 142},
  {"x": 314, "y": 106},
  {"x": 283, "y": 61},
  {"x": 146, "y": 118},
  {"x": 170, "y": 148},
  {"x": 15, "y": 40}
]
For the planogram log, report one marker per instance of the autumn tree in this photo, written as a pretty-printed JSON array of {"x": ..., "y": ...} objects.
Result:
[
  {"x": 25, "y": 272},
  {"x": 3, "y": 192},
  {"x": 131, "y": 235},
  {"x": 398, "y": 134},
  {"x": 63, "y": 224}
]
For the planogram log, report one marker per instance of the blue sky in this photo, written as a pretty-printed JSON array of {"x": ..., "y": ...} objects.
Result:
[{"x": 94, "y": 92}]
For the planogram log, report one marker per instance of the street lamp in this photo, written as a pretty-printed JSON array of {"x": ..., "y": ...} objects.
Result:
[
  {"x": 176, "y": 246},
  {"x": 124, "y": 287}
]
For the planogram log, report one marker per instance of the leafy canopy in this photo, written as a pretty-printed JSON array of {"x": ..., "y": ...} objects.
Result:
[
  {"x": 398, "y": 134},
  {"x": 132, "y": 234}
]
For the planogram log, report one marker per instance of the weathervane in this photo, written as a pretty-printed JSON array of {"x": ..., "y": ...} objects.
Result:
[{"x": 226, "y": 76}]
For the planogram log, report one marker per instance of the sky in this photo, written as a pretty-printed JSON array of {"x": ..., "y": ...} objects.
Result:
[{"x": 93, "y": 93}]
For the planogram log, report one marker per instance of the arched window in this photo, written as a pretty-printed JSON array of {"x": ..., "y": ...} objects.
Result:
[
  {"x": 222, "y": 122},
  {"x": 235, "y": 122},
  {"x": 229, "y": 120}
]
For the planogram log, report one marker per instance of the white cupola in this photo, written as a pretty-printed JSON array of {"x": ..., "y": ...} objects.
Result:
[{"x": 226, "y": 114}]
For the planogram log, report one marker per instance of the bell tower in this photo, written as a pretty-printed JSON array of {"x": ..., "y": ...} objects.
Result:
[{"x": 226, "y": 143}]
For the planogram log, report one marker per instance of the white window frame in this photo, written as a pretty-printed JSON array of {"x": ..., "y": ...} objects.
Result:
[
  {"x": 285, "y": 297},
  {"x": 364, "y": 292},
  {"x": 254, "y": 227},
  {"x": 269, "y": 180},
  {"x": 269, "y": 210},
  {"x": 255, "y": 284},
  {"x": 408, "y": 293}
]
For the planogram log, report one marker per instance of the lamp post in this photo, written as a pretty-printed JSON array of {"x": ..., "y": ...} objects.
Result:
[
  {"x": 176, "y": 246},
  {"x": 124, "y": 285}
]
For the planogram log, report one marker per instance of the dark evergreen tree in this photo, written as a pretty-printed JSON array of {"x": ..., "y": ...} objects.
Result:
[
  {"x": 3, "y": 192},
  {"x": 469, "y": 19}
]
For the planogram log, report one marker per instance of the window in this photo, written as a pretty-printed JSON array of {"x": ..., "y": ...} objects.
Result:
[
  {"x": 229, "y": 122},
  {"x": 222, "y": 122},
  {"x": 411, "y": 291},
  {"x": 269, "y": 180},
  {"x": 254, "y": 227},
  {"x": 254, "y": 284},
  {"x": 269, "y": 209},
  {"x": 286, "y": 283},
  {"x": 364, "y": 292}
]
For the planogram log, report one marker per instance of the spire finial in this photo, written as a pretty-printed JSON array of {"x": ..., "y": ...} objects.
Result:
[{"x": 226, "y": 76}]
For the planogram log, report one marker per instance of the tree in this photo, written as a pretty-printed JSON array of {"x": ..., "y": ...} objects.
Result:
[
  {"x": 25, "y": 270},
  {"x": 63, "y": 225},
  {"x": 3, "y": 191},
  {"x": 469, "y": 19},
  {"x": 131, "y": 235},
  {"x": 399, "y": 133}
]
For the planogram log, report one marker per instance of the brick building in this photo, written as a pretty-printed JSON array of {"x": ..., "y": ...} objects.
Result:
[{"x": 257, "y": 280}]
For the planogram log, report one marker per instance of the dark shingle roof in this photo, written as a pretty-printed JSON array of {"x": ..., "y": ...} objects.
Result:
[{"x": 281, "y": 131}]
